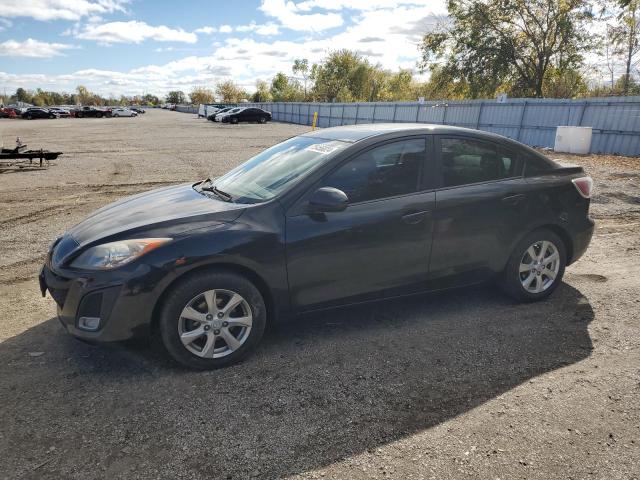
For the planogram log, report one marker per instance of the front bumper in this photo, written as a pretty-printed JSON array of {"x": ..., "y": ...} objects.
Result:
[{"x": 118, "y": 303}]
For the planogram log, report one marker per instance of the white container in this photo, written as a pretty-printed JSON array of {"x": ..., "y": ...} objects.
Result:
[{"x": 573, "y": 140}]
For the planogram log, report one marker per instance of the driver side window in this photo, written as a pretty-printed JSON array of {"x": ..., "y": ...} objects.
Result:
[{"x": 387, "y": 171}]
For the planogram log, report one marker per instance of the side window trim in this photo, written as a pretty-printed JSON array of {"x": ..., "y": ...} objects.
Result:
[{"x": 439, "y": 170}]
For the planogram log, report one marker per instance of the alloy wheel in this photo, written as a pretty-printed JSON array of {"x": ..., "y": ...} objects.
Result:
[
  {"x": 215, "y": 323},
  {"x": 539, "y": 266}
]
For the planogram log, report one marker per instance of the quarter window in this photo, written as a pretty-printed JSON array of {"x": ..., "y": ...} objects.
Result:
[
  {"x": 466, "y": 161},
  {"x": 386, "y": 171}
]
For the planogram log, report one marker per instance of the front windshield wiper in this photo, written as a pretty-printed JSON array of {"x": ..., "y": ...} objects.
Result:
[{"x": 213, "y": 189}]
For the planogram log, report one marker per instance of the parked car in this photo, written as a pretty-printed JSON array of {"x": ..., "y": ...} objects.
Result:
[
  {"x": 7, "y": 112},
  {"x": 331, "y": 217},
  {"x": 62, "y": 112},
  {"x": 247, "y": 114},
  {"x": 220, "y": 112},
  {"x": 123, "y": 112},
  {"x": 138, "y": 110},
  {"x": 12, "y": 112},
  {"x": 91, "y": 112},
  {"x": 220, "y": 115},
  {"x": 36, "y": 112}
]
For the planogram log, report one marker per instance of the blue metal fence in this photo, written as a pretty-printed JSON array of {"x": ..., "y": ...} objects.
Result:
[{"x": 615, "y": 121}]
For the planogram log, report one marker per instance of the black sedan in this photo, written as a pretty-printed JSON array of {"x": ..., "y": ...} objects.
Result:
[
  {"x": 246, "y": 114},
  {"x": 332, "y": 217},
  {"x": 34, "y": 112}
]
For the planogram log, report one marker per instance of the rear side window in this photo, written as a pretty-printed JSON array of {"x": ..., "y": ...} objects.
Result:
[
  {"x": 466, "y": 161},
  {"x": 534, "y": 166},
  {"x": 387, "y": 171}
]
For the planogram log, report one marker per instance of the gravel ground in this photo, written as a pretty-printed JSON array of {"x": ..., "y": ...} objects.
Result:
[{"x": 462, "y": 384}]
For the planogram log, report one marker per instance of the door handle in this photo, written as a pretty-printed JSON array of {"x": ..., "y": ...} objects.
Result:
[
  {"x": 513, "y": 199},
  {"x": 415, "y": 217}
]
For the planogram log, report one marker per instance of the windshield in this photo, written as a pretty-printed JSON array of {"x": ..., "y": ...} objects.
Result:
[{"x": 277, "y": 168}]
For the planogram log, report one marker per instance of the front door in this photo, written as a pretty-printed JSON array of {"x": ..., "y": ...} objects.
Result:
[{"x": 380, "y": 244}]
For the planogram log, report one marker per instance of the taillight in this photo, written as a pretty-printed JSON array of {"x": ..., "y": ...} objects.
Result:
[{"x": 584, "y": 185}]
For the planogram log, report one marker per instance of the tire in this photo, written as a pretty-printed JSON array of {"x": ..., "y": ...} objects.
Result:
[
  {"x": 542, "y": 277},
  {"x": 99, "y": 115},
  {"x": 115, "y": 115},
  {"x": 263, "y": 120},
  {"x": 52, "y": 117},
  {"x": 29, "y": 117},
  {"x": 79, "y": 115},
  {"x": 190, "y": 293},
  {"x": 234, "y": 121}
]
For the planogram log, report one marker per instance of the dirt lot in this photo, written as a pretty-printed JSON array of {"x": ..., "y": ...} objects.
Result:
[{"x": 464, "y": 384}]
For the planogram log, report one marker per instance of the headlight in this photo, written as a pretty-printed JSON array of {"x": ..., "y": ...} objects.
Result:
[{"x": 115, "y": 254}]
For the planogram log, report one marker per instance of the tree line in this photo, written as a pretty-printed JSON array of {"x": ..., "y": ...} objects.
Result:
[{"x": 81, "y": 96}]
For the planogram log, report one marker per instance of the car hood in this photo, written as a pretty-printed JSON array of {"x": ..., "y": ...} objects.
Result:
[{"x": 163, "y": 212}]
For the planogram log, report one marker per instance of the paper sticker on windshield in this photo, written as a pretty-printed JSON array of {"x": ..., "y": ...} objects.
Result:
[{"x": 324, "y": 148}]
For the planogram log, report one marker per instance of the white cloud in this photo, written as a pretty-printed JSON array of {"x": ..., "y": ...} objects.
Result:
[
  {"x": 266, "y": 29},
  {"x": 134, "y": 32},
  {"x": 225, "y": 29},
  {"x": 206, "y": 30},
  {"x": 288, "y": 14},
  {"x": 362, "y": 5},
  {"x": 32, "y": 48},
  {"x": 388, "y": 36},
  {"x": 4, "y": 24},
  {"x": 46, "y": 10}
]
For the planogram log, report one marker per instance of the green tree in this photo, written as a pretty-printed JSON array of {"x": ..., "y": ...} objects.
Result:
[
  {"x": 84, "y": 96},
  {"x": 23, "y": 96},
  {"x": 176, "y": 96},
  {"x": 285, "y": 89},
  {"x": 489, "y": 43},
  {"x": 229, "y": 92},
  {"x": 262, "y": 93},
  {"x": 301, "y": 67},
  {"x": 625, "y": 40},
  {"x": 149, "y": 99},
  {"x": 201, "y": 95}
]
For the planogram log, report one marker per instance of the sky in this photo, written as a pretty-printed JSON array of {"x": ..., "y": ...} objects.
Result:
[{"x": 132, "y": 47}]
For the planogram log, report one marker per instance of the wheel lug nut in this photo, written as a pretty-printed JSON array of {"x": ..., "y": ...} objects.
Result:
[
  {"x": 216, "y": 332},
  {"x": 225, "y": 324},
  {"x": 207, "y": 328},
  {"x": 220, "y": 314}
]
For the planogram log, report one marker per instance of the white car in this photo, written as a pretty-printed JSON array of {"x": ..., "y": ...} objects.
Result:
[
  {"x": 123, "y": 112},
  {"x": 218, "y": 117}
]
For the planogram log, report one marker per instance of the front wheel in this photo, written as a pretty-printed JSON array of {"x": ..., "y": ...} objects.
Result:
[
  {"x": 234, "y": 120},
  {"x": 536, "y": 266},
  {"x": 263, "y": 119},
  {"x": 212, "y": 320}
]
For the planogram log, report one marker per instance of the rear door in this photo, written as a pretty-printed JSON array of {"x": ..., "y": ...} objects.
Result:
[
  {"x": 380, "y": 244},
  {"x": 480, "y": 209}
]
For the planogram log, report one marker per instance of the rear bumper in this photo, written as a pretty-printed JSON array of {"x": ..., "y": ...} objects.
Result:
[
  {"x": 122, "y": 313},
  {"x": 581, "y": 241}
]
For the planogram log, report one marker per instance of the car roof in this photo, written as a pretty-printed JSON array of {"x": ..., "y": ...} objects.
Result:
[{"x": 356, "y": 133}]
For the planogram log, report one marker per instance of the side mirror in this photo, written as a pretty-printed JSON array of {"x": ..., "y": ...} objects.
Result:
[{"x": 328, "y": 199}]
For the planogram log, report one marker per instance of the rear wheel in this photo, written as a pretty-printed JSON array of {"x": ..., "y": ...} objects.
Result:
[
  {"x": 212, "y": 320},
  {"x": 536, "y": 266},
  {"x": 29, "y": 117}
]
